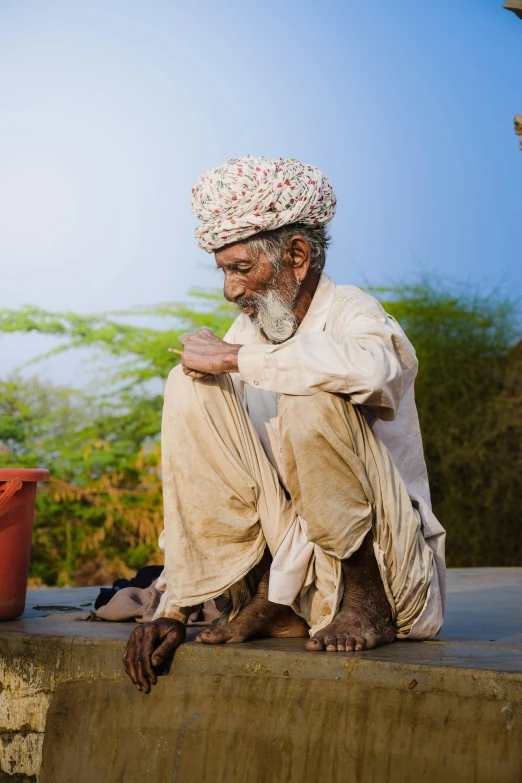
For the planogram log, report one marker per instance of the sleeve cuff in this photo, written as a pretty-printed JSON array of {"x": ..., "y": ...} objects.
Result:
[
  {"x": 167, "y": 609},
  {"x": 251, "y": 361},
  {"x": 170, "y": 614}
]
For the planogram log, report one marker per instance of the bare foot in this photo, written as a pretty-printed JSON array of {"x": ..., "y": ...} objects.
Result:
[
  {"x": 260, "y": 617},
  {"x": 355, "y": 627},
  {"x": 364, "y": 618}
]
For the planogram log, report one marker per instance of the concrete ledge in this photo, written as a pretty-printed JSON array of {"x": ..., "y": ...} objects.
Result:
[{"x": 267, "y": 710}]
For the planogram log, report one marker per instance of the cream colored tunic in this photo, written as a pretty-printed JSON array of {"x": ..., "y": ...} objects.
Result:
[{"x": 346, "y": 345}]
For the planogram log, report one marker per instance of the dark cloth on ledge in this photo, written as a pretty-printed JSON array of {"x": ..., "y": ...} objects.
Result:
[{"x": 144, "y": 578}]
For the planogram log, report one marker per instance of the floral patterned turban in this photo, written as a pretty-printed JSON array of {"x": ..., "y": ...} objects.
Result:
[{"x": 247, "y": 195}]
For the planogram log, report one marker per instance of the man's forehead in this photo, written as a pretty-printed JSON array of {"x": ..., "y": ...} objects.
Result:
[{"x": 233, "y": 254}]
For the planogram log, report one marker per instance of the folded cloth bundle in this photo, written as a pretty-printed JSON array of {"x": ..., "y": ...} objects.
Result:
[
  {"x": 144, "y": 578},
  {"x": 136, "y": 604},
  {"x": 130, "y": 604},
  {"x": 136, "y": 600}
]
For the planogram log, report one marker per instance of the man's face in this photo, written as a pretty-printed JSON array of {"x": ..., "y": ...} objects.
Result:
[{"x": 266, "y": 295}]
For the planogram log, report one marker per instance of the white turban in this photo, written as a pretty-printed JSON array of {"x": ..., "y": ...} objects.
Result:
[{"x": 246, "y": 195}]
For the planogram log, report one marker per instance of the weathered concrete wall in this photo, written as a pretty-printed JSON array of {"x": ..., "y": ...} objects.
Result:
[
  {"x": 30, "y": 669},
  {"x": 258, "y": 712},
  {"x": 274, "y": 729},
  {"x": 447, "y": 710}
]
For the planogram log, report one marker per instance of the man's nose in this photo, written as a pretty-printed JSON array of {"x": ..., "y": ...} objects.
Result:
[{"x": 233, "y": 290}]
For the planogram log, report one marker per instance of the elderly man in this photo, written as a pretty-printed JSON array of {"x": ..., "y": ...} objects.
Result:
[{"x": 295, "y": 488}]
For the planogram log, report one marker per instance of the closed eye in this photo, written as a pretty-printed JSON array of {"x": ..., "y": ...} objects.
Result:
[{"x": 242, "y": 270}]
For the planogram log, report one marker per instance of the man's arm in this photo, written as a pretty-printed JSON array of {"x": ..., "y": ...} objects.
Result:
[{"x": 371, "y": 360}]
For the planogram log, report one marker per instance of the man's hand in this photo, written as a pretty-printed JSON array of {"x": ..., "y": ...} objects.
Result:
[
  {"x": 205, "y": 354},
  {"x": 149, "y": 647}
]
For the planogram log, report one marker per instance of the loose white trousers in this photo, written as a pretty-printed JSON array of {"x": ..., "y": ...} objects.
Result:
[{"x": 225, "y": 502}]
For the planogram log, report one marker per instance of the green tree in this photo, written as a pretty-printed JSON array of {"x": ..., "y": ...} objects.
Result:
[
  {"x": 103, "y": 503},
  {"x": 470, "y": 409}
]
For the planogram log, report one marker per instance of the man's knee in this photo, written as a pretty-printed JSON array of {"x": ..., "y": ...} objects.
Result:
[
  {"x": 304, "y": 417},
  {"x": 184, "y": 392},
  {"x": 180, "y": 392},
  {"x": 178, "y": 383}
]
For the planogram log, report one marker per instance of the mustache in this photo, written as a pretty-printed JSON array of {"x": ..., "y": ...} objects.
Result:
[{"x": 249, "y": 301}]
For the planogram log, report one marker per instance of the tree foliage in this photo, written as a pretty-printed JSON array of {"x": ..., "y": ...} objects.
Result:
[
  {"x": 103, "y": 504},
  {"x": 469, "y": 397}
]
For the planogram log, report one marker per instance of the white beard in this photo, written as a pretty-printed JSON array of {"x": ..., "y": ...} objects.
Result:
[{"x": 274, "y": 315}]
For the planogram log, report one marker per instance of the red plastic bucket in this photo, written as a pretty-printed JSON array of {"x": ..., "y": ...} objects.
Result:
[{"x": 17, "y": 494}]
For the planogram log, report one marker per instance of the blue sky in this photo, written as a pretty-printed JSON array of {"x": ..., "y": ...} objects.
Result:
[{"x": 110, "y": 110}]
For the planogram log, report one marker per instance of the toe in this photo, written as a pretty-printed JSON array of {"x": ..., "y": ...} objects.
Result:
[
  {"x": 350, "y": 644},
  {"x": 314, "y": 645},
  {"x": 330, "y": 642},
  {"x": 212, "y": 636},
  {"x": 360, "y": 643},
  {"x": 341, "y": 643}
]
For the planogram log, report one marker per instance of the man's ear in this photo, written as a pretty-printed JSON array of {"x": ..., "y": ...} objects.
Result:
[{"x": 298, "y": 256}]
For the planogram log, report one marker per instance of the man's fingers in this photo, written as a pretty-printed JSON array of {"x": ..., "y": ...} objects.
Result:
[
  {"x": 125, "y": 659},
  {"x": 204, "y": 354},
  {"x": 141, "y": 680},
  {"x": 195, "y": 373},
  {"x": 162, "y": 653},
  {"x": 147, "y": 649},
  {"x": 204, "y": 333},
  {"x": 147, "y": 640},
  {"x": 168, "y": 646},
  {"x": 129, "y": 656}
]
